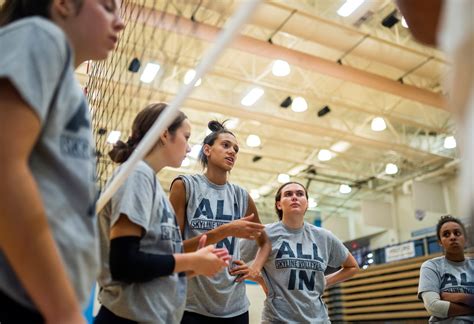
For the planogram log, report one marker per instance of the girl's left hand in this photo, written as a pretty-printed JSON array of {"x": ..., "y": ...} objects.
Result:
[
  {"x": 243, "y": 271},
  {"x": 239, "y": 269}
]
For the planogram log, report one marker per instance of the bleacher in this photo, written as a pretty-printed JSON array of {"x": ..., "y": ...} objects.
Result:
[{"x": 381, "y": 293}]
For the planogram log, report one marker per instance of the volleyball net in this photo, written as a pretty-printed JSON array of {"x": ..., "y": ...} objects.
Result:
[{"x": 142, "y": 70}]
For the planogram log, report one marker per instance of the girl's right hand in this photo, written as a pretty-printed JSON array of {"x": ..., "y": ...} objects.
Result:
[
  {"x": 209, "y": 259},
  {"x": 245, "y": 228}
]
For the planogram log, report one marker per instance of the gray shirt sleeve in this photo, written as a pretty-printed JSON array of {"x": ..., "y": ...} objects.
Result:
[
  {"x": 134, "y": 199},
  {"x": 338, "y": 252},
  {"x": 429, "y": 278},
  {"x": 434, "y": 305},
  {"x": 33, "y": 58}
]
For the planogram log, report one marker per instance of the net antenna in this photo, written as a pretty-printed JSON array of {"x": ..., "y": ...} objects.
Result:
[{"x": 228, "y": 33}]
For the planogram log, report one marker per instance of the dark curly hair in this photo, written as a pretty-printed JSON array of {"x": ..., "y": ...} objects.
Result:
[{"x": 446, "y": 219}]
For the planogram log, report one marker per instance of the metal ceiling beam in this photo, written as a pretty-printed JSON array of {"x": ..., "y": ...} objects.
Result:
[
  {"x": 254, "y": 46},
  {"x": 311, "y": 97},
  {"x": 297, "y": 126}
]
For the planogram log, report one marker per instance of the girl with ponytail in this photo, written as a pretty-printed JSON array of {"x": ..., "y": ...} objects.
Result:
[{"x": 143, "y": 266}]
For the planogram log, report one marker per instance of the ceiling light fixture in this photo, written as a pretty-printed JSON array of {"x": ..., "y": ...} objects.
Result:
[
  {"x": 232, "y": 123},
  {"x": 299, "y": 104},
  {"x": 324, "y": 155},
  {"x": 113, "y": 137},
  {"x": 280, "y": 68},
  {"x": 283, "y": 178},
  {"x": 189, "y": 76},
  {"x": 265, "y": 189},
  {"x": 253, "y": 140},
  {"x": 254, "y": 194},
  {"x": 349, "y": 7},
  {"x": 312, "y": 203},
  {"x": 340, "y": 146},
  {"x": 404, "y": 22},
  {"x": 449, "y": 142},
  {"x": 391, "y": 168},
  {"x": 297, "y": 169},
  {"x": 252, "y": 96},
  {"x": 186, "y": 162},
  {"x": 150, "y": 72},
  {"x": 195, "y": 151},
  {"x": 378, "y": 124},
  {"x": 345, "y": 189}
]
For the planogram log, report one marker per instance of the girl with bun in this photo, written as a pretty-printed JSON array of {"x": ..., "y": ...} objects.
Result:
[
  {"x": 142, "y": 262},
  {"x": 207, "y": 204}
]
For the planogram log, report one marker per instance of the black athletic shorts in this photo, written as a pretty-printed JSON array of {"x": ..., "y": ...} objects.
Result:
[{"x": 195, "y": 318}]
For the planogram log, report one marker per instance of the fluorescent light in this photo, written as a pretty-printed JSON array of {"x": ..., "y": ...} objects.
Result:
[
  {"x": 113, "y": 137},
  {"x": 265, "y": 189},
  {"x": 253, "y": 140},
  {"x": 283, "y": 178},
  {"x": 189, "y": 76},
  {"x": 195, "y": 151},
  {"x": 297, "y": 169},
  {"x": 232, "y": 123},
  {"x": 449, "y": 142},
  {"x": 254, "y": 194},
  {"x": 186, "y": 162},
  {"x": 391, "y": 168},
  {"x": 252, "y": 97},
  {"x": 349, "y": 7},
  {"x": 324, "y": 155},
  {"x": 312, "y": 203},
  {"x": 378, "y": 124},
  {"x": 280, "y": 68},
  {"x": 345, "y": 189},
  {"x": 340, "y": 146},
  {"x": 404, "y": 22},
  {"x": 299, "y": 104},
  {"x": 150, "y": 72}
]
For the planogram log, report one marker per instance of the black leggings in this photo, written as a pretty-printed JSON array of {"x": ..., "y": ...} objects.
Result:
[
  {"x": 107, "y": 317},
  {"x": 195, "y": 318},
  {"x": 12, "y": 312}
]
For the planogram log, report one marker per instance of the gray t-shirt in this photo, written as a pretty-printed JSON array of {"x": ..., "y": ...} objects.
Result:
[
  {"x": 294, "y": 272},
  {"x": 35, "y": 57},
  {"x": 441, "y": 275},
  {"x": 143, "y": 201},
  {"x": 208, "y": 206}
]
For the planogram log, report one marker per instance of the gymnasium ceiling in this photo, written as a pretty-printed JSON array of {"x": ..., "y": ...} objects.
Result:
[{"x": 355, "y": 66}]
